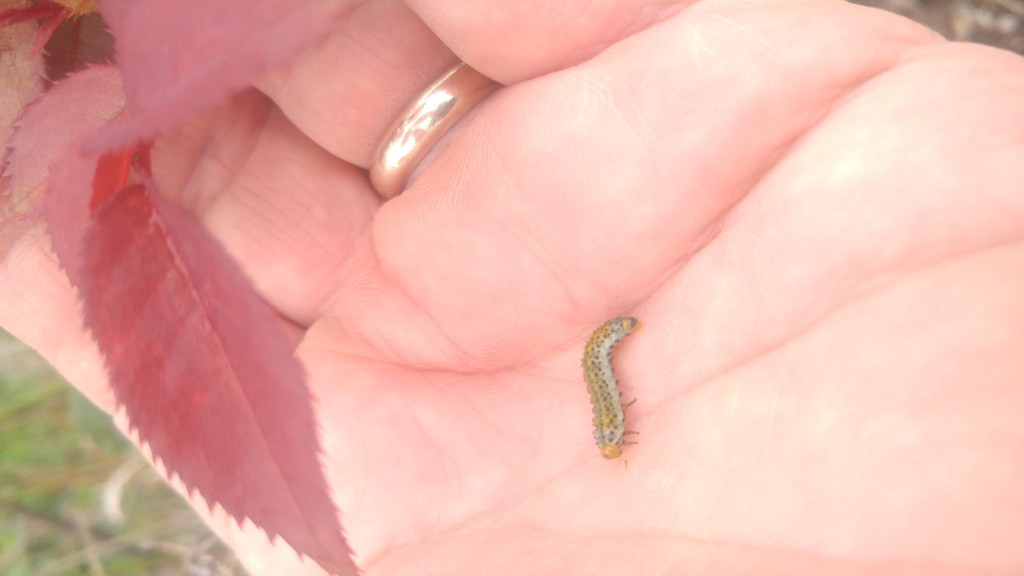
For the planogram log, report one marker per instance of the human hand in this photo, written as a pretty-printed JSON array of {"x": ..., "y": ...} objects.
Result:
[{"x": 813, "y": 208}]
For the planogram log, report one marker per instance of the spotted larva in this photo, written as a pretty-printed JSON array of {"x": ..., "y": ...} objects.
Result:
[{"x": 604, "y": 392}]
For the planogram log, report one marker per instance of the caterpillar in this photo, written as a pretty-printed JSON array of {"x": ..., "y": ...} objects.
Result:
[{"x": 609, "y": 417}]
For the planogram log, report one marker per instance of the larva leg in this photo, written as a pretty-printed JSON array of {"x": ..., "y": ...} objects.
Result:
[{"x": 627, "y": 432}]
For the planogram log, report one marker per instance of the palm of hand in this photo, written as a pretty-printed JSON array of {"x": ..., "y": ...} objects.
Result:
[{"x": 825, "y": 377}]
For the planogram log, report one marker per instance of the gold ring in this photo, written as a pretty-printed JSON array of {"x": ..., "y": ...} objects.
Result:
[{"x": 423, "y": 123}]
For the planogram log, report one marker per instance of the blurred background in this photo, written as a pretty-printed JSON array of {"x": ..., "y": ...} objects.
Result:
[
  {"x": 76, "y": 499},
  {"x": 997, "y": 23}
]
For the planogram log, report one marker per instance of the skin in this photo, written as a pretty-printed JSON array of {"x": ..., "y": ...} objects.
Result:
[{"x": 813, "y": 208}]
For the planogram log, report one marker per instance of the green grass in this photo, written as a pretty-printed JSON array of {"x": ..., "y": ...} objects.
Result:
[{"x": 60, "y": 459}]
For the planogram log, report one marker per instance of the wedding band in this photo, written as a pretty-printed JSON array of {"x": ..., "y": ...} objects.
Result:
[{"x": 423, "y": 123}]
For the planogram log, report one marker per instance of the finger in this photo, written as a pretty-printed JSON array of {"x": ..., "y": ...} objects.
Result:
[
  {"x": 512, "y": 40},
  {"x": 347, "y": 91},
  {"x": 573, "y": 195},
  {"x": 918, "y": 167},
  {"x": 344, "y": 93},
  {"x": 287, "y": 210},
  {"x": 341, "y": 96}
]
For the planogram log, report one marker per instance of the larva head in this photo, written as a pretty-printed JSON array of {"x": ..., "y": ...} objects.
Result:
[
  {"x": 611, "y": 450},
  {"x": 630, "y": 325}
]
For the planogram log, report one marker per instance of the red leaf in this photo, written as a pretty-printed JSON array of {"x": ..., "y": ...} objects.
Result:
[
  {"x": 21, "y": 79},
  {"x": 45, "y": 10},
  {"x": 21, "y": 75},
  {"x": 43, "y": 155},
  {"x": 219, "y": 46},
  {"x": 174, "y": 316},
  {"x": 79, "y": 41},
  {"x": 56, "y": 124},
  {"x": 206, "y": 379},
  {"x": 46, "y": 29},
  {"x": 112, "y": 172}
]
